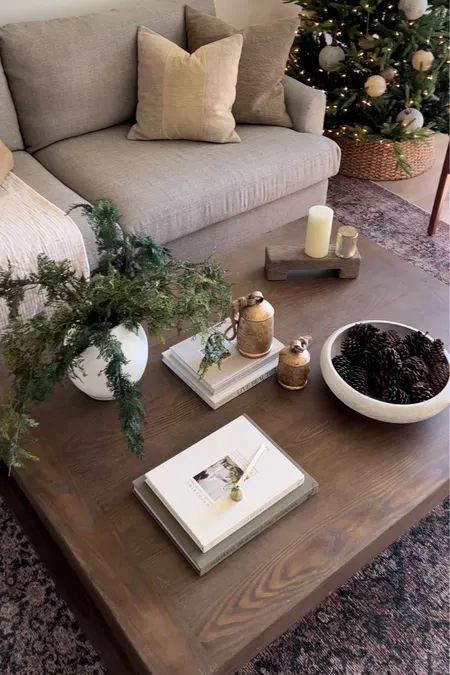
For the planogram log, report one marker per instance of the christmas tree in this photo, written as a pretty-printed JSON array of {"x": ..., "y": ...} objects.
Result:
[{"x": 383, "y": 64}]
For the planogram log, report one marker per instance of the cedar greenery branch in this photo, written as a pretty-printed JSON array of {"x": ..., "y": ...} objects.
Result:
[
  {"x": 348, "y": 48},
  {"x": 137, "y": 281}
]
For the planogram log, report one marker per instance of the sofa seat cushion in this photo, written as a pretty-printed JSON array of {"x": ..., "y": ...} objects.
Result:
[
  {"x": 41, "y": 180},
  {"x": 169, "y": 189}
]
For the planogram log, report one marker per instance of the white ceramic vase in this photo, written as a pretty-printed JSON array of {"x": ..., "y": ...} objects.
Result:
[{"x": 90, "y": 376}]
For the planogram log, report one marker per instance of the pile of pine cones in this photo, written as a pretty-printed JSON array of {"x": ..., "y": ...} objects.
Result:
[{"x": 390, "y": 368}]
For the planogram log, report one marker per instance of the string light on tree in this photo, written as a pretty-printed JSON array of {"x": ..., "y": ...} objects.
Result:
[
  {"x": 413, "y": 9},
  {"x": 411, "y": 118},
  {"x": 422, "y": 59},
  {"x": 375, "y": 86}
]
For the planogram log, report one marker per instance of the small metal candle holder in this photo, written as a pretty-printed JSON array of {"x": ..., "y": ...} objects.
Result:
[{"x": 346, "y": 241}]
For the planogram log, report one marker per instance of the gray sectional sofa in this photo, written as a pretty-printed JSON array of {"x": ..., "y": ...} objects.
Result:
[{"x": 68, "y": 97}]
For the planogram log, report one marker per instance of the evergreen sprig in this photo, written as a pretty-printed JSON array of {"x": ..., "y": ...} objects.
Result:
[
  {"x": 214, "y": 351},
  {"x": 137, "y": 281}
]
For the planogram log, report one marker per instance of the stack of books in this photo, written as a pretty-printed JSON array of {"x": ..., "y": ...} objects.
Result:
[
  {"x": 190, "y": 495},
  {"x": 236, "y": 374}
]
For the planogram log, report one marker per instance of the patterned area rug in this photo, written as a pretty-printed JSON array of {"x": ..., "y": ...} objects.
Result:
[
  {"x": 39, "y": 635},
  {"x": 389, "y": 619},
  {"x": 393, "y": 223}
]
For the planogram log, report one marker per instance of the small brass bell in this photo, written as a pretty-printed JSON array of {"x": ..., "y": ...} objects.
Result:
[
  {"x": 293, "y": 364},
  {"x": 252, "y": 324}
]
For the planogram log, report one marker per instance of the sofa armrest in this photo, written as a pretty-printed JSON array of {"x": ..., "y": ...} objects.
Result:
[
  {"x": 305, "y": 105},
  {"x": 6, "y": 161}
]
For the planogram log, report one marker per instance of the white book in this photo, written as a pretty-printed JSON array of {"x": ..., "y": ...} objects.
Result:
[
  {"x": 189, "y": 353},
  {"x": 195, "y": 485},
  {"x": 225, "y": 395}
]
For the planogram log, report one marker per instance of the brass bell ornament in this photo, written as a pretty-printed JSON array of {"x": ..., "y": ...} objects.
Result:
[
  {"x": 253, "y": 325},
  {"x": 294, "y": 364}
]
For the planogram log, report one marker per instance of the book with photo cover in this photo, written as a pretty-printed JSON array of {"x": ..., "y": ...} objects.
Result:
[
  {"x": 188, "y": 355},
  {"x": 195, "y": 485},
  {"x": 204, "y": 562}
]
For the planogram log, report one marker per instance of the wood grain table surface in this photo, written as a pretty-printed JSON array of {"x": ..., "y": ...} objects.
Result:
[{"x": 375, "y": 479}]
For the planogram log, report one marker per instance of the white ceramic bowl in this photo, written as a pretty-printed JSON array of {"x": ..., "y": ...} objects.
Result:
[{"x": 370, "y": 407}]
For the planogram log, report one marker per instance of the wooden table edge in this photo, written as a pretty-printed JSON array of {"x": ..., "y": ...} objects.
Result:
[
  {"x": 334, "y": 582},
  {"x": 272, "y": 632},
  {"x": 125, "y": 645}
]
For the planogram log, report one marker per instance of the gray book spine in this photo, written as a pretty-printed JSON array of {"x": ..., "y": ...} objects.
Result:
[{"x": 203, "y": 562}]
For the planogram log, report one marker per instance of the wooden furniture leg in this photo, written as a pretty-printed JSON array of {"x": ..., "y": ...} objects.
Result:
[{"x": 443, "y": 187}]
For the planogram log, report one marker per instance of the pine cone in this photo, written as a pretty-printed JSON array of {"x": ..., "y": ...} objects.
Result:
[
  {"x": 363, "y": 333},
  {"x": 392, "y": 338},
  {"x": 380, "y": 381},
  {"x": 357, "y": 378},
  {"x": 403, "y": 351},
  {"x": 365, "y": 359},
  {"x": 395, "y": 395},
  {"x": 417, "y": 343},
  {"x": 342, "y": 365},
  {"x": 390, "y": 360},
  {"x": 421, "y": 391},
  {"x": 351, "y": 348},
  {"x": 408, "y": 378},
  {"x": 439, "y": 375},
  {"x": 414, "y": 370},
  {"x": 436, "y": 353},
  {"x": 378, "y": 343}
]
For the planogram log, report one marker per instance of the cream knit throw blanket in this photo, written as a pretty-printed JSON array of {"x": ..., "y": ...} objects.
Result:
[{"x": 29, "y": 225}]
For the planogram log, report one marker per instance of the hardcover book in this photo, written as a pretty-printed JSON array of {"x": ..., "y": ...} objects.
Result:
[
  {"x": 188, "y": 354},
  {"x": 236, "y": 375},
  {"x": 195, "y": 485},
  {"x": 225, "y": 395},
  {"x": 204, "y": 562}
]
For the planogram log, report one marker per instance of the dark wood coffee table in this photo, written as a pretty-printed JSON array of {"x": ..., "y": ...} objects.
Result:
[{"x": 375, "y": 481}]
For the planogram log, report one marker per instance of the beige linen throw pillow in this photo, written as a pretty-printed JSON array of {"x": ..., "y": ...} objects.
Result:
[
  {"x": 186, "y": 96},
  {"x": 6, "y": 161},
  {"x": 259, "y": 91}
]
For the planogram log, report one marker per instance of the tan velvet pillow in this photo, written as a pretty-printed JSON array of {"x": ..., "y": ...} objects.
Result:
[
  {"x": 259, "y": 91},
  {"x": 182, "y": 95},
  {"x": 6, "y": 161}
]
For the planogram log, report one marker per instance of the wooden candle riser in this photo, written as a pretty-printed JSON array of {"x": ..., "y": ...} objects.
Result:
[{"x": 281, "y": 260}]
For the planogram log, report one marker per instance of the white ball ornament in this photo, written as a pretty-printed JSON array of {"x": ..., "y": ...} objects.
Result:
[
  {"x": 411, "y": 119},
  {"x": 422, "y": 60},
  {"x": 413, "y": 9},
  {"x": 330, "y": 57},
  {"x": 375, "y": 86}
]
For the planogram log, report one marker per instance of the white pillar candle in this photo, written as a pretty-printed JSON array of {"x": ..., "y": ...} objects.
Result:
[{"x": 318, "y": 233}]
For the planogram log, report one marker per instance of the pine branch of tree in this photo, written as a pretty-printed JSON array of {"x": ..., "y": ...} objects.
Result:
[{"x": 374, "y": 34}]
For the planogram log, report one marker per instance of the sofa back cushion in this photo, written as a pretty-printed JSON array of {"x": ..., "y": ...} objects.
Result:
[
  {"x": 9, "y": 127},
  {"x": 76, "y": 75},
  {"x": 186, "y": 96}
]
